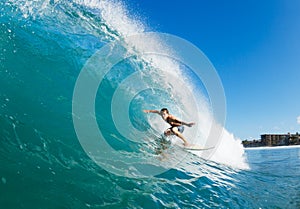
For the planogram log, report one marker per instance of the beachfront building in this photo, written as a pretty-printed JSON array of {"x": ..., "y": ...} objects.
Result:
[{"x": 274, "y": 140}]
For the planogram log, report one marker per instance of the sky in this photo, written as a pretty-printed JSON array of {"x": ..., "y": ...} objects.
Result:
[{"x": 255, "y": 48}]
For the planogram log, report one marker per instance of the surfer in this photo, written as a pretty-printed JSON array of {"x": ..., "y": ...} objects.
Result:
[{"x": 177, "y": 126}]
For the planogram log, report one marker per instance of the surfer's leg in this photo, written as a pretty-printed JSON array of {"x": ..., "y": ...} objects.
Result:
[{"x": 179, "y": 135}]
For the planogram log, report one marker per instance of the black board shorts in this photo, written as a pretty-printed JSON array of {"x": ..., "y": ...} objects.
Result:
[{"x": 180, "y": 128}]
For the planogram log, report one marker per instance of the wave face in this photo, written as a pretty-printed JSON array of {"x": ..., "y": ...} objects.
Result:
[{"x": 44, "y": 47}]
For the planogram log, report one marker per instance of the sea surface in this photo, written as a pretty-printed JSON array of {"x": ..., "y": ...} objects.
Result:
[{"x": 46, "y": 162}]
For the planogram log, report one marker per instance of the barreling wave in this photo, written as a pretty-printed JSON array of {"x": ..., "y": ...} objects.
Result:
[{"x": 44, "y": 46}]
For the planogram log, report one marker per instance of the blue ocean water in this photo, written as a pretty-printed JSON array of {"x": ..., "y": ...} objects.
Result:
[{"x": 43, "y": 47}]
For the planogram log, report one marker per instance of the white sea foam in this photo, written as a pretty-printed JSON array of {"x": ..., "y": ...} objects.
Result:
[
  {"x": 116, "y": 16},
  {"x": 271, "y": 148},
  {"x": 230, "y": 151}
]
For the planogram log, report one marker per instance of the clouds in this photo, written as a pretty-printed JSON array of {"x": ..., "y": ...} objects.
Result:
[{"x": 298, "y": 119}]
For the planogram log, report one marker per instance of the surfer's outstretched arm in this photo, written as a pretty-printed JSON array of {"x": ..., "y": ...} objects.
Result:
[
  {"x": 188, "y": 124},
  {"x": 180, "y": 122},
  {"x": 152, "y": 111}
]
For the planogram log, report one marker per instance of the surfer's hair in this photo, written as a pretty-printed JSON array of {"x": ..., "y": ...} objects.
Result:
[{"x": 164, "y": 109}]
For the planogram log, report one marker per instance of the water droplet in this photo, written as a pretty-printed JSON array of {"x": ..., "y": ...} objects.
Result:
[{"x": 3, "y": 180}]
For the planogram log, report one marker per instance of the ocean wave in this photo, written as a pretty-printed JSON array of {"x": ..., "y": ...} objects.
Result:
[{"x": 44, "y": 47}]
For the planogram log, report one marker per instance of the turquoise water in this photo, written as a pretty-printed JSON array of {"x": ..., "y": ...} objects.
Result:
[{"x": 43, "y": 48}]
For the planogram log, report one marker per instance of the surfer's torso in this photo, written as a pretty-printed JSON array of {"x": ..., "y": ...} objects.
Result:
[{"x": 173, "y": 121}]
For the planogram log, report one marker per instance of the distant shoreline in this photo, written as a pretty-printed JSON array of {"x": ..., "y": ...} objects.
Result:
[
  {"x": 274, "y": 140},
  {"x": 273, "y": 147}
]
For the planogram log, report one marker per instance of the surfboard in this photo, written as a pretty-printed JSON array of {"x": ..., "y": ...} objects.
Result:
[
  {"x": 196, "y": 147},
  {"x": 192, "y": 147}
]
